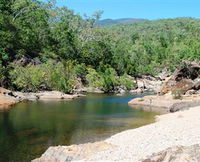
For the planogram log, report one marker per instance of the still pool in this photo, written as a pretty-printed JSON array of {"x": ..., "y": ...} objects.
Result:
[{"x": 29, "y": 128}]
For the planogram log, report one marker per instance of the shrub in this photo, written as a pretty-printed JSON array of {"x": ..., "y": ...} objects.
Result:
[
  {"x": 94, "y": 79},
  {"x": 81, "y": 72},
  {"x": 56, "y": 76},
  {"x": 110, "y": 80},
  {"x": 27, "y": 78},
  {"x": 127, "y": 81},
  {"x": 106, "y": 81},
  {"x": 60, "y": 76},
  {"x": 3, "y": 71},
  {"x": 177, "y": 94}
]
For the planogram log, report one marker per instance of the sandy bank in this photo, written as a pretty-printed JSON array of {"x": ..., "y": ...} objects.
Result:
[{"x": 177, "y": 129}]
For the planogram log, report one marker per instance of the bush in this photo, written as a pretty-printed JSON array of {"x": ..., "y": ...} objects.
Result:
[
  {"x": 51, "y": 76},
  {"x": 177, "y": 94},
  {"x": 106, "y": 81},
  {"x": 94, "y": 79},
  {"x": 127, "y": 81},
  {"x": 60, "y": 76},
  {"x": 3, "y": 72},
  {"x": 27, "y": 78},
  {"x": 110, "y": 80},
  {"x": 81, "y": 72}
]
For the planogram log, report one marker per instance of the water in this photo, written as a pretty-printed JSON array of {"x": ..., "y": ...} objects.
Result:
[{"x": 29, "y": 128}]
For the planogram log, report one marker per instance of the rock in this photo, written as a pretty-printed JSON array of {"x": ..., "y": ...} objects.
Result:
[
  {"x": 197, "y": 85},
  {"x": 93, "y": 90},
  {"x": 73, "y": 153},
  {"x": 6, "y": 102},
  {"x": 165, "y": 103},
  {"x": 176, "y": 154},
  {"x": 148, "y": 83},
  {"x": 184, "y": 85},
  {"x": 122, "y": 91},
  {"x": 25, "y": 96},
  {"x": 4, "y": 91},
  {"x": 8, "y": 98},
  {"x": 137, "y": 91},
  {"x": 164, "y": 74},
  {"x": 191, "y": 92},
  {"x": 182, "y": 79}
]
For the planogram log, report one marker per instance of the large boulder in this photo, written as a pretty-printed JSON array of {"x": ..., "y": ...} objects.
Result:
[
  {"x": 183, "y": 85},
  {"x": 183, "y": 79},
  {"x": 4, "y": 91},
  {"x": 148, "y": 83}
]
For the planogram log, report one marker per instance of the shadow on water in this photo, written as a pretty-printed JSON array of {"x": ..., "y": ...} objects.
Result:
[{"x": 29, "y": 128}]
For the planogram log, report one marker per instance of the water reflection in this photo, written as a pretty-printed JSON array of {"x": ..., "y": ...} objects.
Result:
[{"x": 28, "y": 129}]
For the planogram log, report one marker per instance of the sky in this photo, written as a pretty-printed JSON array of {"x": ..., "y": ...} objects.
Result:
[{"x": 148, "y": 9}]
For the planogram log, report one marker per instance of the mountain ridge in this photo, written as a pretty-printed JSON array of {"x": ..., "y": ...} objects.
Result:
[{"x": 108, "y": 22}]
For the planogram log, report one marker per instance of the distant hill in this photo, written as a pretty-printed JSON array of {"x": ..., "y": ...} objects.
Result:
[{"x": 108, "y": 22}]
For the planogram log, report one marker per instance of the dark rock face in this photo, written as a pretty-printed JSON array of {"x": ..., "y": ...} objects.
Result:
[
  {"x": 176, "y": 154},
  {"x": 197, "y": 85},
  {"x": 182, "y": 79}
]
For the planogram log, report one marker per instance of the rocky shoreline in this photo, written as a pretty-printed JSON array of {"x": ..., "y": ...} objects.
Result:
[
  {"x": 165, "y": 103},
  {"x": 9, "y": 98},
  {"x": 174, "y": 137}
]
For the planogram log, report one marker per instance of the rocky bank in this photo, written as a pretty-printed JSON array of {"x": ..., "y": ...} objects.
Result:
[
  {"x": 165, "y": 103},
  {"x": 9, "y": 98},
  {"x": 178, "y": 92},
  {"x": 174, "y": 137}
]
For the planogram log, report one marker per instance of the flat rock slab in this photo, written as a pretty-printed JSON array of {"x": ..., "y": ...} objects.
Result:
[
  {"x": 6, "y": 102},
  {"x": 166, "y": 103},
  {"x": 73, "y": 153}
]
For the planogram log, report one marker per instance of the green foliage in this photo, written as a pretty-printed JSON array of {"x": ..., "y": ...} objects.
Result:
[
  {"x": 94, "y": 79},
  {"x": 3, "y": 72},
  {"x": 108, "y": 80},
  {"x": 126, "y": 81},
  {"x": 60, "y": 76},
  {"x": 81, "y": 70},
  {"x": 49, "y": 76},
  {"x": 36, "y": 30},
  {"x": 28, "y": 78},
  {"x": 177, "y": 94}
]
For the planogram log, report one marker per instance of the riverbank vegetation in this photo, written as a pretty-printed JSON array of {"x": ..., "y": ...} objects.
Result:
[{"x": 44, "y": 47}]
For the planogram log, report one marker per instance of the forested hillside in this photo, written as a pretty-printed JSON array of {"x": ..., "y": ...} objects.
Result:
[
  {"x": 44, "y": 47},
  {"x": 108, "y": 22}
]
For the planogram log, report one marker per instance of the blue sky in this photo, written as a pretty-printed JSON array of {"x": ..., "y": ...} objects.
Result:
[{"x": 149, "y": 9}]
